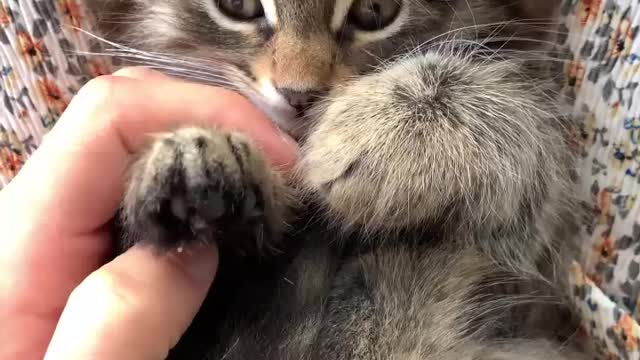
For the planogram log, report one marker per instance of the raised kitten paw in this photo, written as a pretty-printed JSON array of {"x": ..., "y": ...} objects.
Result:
[{"x": 201, "y": 185}]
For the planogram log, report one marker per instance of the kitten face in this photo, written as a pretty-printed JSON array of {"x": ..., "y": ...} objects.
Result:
[{"x": 290, "y": 52}]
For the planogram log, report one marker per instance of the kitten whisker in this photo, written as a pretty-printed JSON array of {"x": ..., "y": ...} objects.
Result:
[{"x": 207, "y": 71}]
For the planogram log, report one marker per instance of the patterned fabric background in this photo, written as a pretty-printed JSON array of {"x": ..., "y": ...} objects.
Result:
[
  {"x": 603, "y": 73},
  {"x": 40, "y": 70},
  {"x": 42, "y": 67}
]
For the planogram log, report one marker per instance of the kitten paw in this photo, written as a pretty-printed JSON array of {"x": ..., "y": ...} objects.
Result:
[{"x": 200, "y": 185}]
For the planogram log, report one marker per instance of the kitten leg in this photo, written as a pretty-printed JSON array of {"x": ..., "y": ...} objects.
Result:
[{"x": 202, "y": 185}]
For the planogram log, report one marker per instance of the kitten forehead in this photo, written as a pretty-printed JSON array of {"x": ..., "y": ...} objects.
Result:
[{"x": 307, "y": 14}]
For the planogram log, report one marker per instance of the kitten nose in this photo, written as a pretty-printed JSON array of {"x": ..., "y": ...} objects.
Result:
[{"x": 299, "y": 99}]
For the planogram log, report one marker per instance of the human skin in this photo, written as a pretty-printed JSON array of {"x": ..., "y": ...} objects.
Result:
[{"x": 59, "y": 298}]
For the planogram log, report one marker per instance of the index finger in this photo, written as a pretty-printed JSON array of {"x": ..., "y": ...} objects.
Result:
[
  {"x": 53, "y": 212},
  {"x": 85, "y": 157}
]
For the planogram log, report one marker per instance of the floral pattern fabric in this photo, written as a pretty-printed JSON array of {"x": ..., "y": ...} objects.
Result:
[
  {"x": 41, "y": 68},
  {"x": 43, "y": 64},
  {"x": 602, "y": 76}
]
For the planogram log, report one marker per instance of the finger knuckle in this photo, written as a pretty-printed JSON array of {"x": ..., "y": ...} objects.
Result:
[
  {"x": 106, "y": 97},
  {"x": 102, "y": 87},
  {"x": 135, "y": 72}
]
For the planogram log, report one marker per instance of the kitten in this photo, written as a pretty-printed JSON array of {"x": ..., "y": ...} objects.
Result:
[{"x": 432, "y": 214}]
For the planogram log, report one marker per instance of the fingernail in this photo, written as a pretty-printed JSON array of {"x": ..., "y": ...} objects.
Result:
[
  {"x": 201, "y": 262},
  {"x": 290, "y": 151},
  {"x": 289, "y": 140}
]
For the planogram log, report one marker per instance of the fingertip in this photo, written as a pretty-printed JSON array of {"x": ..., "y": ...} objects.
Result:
[
  {"x": 229, "y": 109},
  {"x": 237, "y": 113},
  {"x": 137, "y": 306},
  {"x": 200, "y": 263},
  {"x": 288, "y": 155}
]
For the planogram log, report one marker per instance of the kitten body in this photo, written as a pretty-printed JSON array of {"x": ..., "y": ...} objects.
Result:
[{"x": 431, "y": 216}]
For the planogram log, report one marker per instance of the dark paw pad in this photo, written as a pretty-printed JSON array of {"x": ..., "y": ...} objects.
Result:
[{"x": 194, "y": 187}]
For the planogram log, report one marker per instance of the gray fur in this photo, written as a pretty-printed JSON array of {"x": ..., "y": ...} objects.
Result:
[{"x": 433, "y": 206}]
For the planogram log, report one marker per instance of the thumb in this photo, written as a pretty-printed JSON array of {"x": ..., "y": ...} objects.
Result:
[{"x": 135, "y": 307}]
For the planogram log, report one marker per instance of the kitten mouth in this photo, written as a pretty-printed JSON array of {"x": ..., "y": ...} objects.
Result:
[
  {"x": 283, "y": 116},
  {"x": 289, "y": 119},
  {"x": 296, "y": 124}
]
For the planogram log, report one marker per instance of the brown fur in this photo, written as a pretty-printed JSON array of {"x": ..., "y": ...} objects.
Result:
[{"x": 313, "y": 54}]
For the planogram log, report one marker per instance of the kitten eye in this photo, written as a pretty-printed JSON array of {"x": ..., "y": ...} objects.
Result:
[
  {"x": 372, "y": 15},
  {"x": 241, "y": 9}
]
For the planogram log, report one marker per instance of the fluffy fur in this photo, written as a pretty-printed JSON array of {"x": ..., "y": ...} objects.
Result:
[{"x": 432, "y": 207}]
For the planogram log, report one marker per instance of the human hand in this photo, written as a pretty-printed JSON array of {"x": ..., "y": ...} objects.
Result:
[{"x": 55, "y": 216}]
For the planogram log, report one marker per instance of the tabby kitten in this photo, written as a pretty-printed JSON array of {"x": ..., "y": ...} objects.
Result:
[{"x": 431, "y": 213}]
